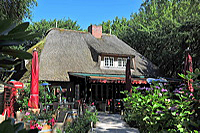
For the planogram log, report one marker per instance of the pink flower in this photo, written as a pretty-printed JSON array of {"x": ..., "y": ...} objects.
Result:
[
  {"x": 27, "y": 113},
  {"x": 164, "y": 90},
  {"x": 36, "y": 125},
  {"x": 167, "y": 100},
  {"x": 191, "y": 94},
  {"x": 32, "y": 127},
  {"x": 53, "y": 121},
  {"x": 39, "y": 127}
]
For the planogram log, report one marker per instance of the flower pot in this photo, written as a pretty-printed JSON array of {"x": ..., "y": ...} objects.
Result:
[{"x": 46, "y": 129}]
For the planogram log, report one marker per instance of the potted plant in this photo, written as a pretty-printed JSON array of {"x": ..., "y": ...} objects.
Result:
[{"x": 33, "y": 121}]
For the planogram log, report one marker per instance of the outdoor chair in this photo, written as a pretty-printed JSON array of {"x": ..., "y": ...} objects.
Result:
[
  {"x": 41, "y": 106},
  {"x": 55, "y": 105}
]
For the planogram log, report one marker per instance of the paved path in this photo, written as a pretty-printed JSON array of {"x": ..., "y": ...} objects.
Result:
[{"x": 112, "y": 123}]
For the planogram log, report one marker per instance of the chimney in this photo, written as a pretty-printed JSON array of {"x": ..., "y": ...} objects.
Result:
[{"x": 96, "y": 31}]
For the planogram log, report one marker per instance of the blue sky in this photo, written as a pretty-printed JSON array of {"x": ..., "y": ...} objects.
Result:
[{"x": 85, "y": 12}]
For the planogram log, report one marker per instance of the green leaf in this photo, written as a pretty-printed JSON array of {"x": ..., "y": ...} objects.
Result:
[
  {"x": 182, "y": 75},
  {"x": 162, "y": 115},
  {"x": 139, "y": 99},
  {"x": 181, "y": 129},
  {"x": 20, "y": 28},
  {"x": 174, "y": 113},
  {"x": 182, "y": 114},
  {"x": 146, "y": 117},
  {"x": 156, "y": 105},
  {"x": 6, "y": 66},
  {"x": 15, "y": 36},
  {"x": 17, "y": 53},
  {"x": 6, "y": 26},
  {"x": 157, "y": 118},
  {"x": 177, "y": 101},
  {"x": 6, "y": 127},
  {"x": 187, "y": 112},
  {"x": 31, "y": 36},
  {"x": 10, "y": 42},
  {"x": 179, "y": 126}
]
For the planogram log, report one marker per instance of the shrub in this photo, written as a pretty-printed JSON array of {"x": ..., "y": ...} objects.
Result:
[
  {"x": 82, "y": 124},
  {"x": 24, "y": 95},
  {"x": 159, "y": 109}
]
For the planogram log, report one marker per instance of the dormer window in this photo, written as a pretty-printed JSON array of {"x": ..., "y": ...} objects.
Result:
[
  {"x": 113, "y": 62},
  {"x": 122, "y": 62},
  {"x": 109, "y": 61}
]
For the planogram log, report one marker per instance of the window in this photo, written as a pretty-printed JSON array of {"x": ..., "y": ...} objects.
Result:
[
  {"x": 106, "y": 60},
  {"x": 122, "y": 62},
  {"x": 114, "y": 62},
  {"x": 109, "y": 61},
  {"x": 119, "y": 62}
]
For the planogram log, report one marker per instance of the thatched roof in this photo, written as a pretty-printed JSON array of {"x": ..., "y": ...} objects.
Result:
[
  {"x": 73, "y": 51},
  {"x": 108, "y": 44}
]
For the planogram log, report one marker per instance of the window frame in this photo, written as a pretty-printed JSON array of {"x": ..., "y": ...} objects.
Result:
[
  {"x": 108, "y": 61},
  {"x": 124, "y": 62},
  {"x": 121, "y": 62}
]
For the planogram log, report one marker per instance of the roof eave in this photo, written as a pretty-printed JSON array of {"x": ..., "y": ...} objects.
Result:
[{"x": 113, "y": 54}]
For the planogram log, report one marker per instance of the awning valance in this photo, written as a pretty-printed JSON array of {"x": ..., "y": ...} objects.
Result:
[{"x": 106, "y": 78}]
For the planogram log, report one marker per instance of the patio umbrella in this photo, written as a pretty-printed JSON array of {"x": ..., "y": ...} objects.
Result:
[
  {"x": 34, "y": 91},
  {"x": 128, "y": 76},
  {"x": 188, "y": 67}
]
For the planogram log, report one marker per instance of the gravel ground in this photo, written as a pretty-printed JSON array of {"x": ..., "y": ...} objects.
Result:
[{"x": 112, "y": 123}]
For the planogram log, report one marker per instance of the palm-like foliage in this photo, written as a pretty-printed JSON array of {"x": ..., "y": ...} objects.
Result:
[{"x": 12, "y": 35}]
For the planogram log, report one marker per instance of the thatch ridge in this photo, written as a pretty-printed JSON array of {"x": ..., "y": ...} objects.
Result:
[{"x": 61, "y": 29}]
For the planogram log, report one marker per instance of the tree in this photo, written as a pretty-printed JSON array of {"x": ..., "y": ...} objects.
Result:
[
  {"x": 163, "y": 29},
  {"x": 117, "y": 26},
  {"x": 16, "y": 9},
  {"x": 43, "y": 26}
]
